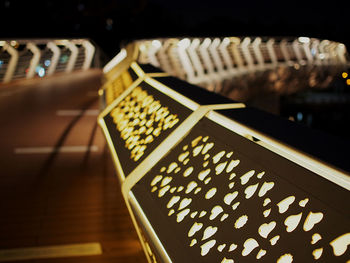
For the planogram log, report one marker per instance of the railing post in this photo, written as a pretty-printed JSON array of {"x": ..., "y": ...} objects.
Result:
[
  {"x": 55, "y": 57},
  {"x": 73, "y": 56},
  {"x": 89, "y": 54},
  {"x": 35, "y": 59},
  {"x": 12, "y": 64}
]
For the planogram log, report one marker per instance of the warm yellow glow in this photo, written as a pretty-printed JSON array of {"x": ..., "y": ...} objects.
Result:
[
  {"x": 344, "y": 75},
  {"x": 348, "y": 82}
]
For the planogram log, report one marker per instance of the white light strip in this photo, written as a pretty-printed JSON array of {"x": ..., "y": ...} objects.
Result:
[{"x": 115, "y": 61}]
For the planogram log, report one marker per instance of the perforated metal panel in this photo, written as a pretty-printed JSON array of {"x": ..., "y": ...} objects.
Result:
[
  {"x": 219, "y": 197},
  {"x": 140, "y": 122}
]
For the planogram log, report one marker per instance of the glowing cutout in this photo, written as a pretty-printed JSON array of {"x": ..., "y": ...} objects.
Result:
[
  {"x": 208, "y": 232},
  {"x": 267, "y": 212},
  {"x": 173, "y": 201},
  {"x": 265, "y": 229},
  {"x": 156, "y": 180},
  {"x": 250, "y": 190},
  {"x": 219, "y": 168},
  {"x": 197, "y": 150},
  {"x": 233, "y": 175},
  {"x": 249, "y": 245},
  {"x": 165, "y": 181},
  {"x": 260, "y": 175},
  {"x": 193, "y": 242},
  {"x": 172, "y": 167},
  {"x": 286, "y": 258},
  {"x": 267, "y": 201},
  {"x": 317, "y": 253},
  {"x": 203, "y": 174},
  {"x": 235, "y": 205},
  {"x": 303, "y": 203},
  {"x": 311, "y": 220},
  {"x": 183, "y": 156},
  {"x": 163, "y": 191},
  {"x": 232, "y": 165},
  {"x": 285, "y": 203},
  {"x": 230, "y": 197},
  {"x": 198, "y": 189},
  {"x": 260, "y": 254},
  {"x": 191, "y": 185},
  {"x": 210, "y": 193},
  {"x": 228, "y": 155},
  {"x": 223, "y": 217},
  {"x": 203, "y": 213},
  {"x": 218, "y": 156},
  {"x": 221, "y": 247},
  {"x": 215, "y": 212},
  {"x": 267, "y": 186},
  {"x": 188, "y": 171},
  {"x": 315, "y": 238},
  {"x": 340, "y": 244},
  {"x": 195, "y": 227},
  {"x": 245, "y": 178},
  {"x": 185, "y": 202},
  {"x": 196, "y": 141},
  {"x": 292, "y": 222},
  {"x": 232, "y": 247},
  {"x": 172, "y": 211},
  {"x": 207, "y": 246},
  {"x": 182, "y": 215},
  {"x": 207, "y": 147},
  {"x": 227, "y": 260},
  {"x": 274, "y": 240},
  {"x": 206, "y": 181},
  {"x": 241, "y": 221},
  {"x": 193, "y": 215}
]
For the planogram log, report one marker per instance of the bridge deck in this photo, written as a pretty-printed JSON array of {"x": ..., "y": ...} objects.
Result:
[{"x": 57, "y": 182}]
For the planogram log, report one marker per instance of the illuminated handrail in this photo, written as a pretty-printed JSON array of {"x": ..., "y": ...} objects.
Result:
[
  {"x": 42, "y": 57},
  {"x": 207, "y": 179},
  {"x": 222, "y": 64}
]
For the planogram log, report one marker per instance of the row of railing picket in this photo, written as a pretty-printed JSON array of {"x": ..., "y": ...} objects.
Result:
[{"x": 43, "y": 57}]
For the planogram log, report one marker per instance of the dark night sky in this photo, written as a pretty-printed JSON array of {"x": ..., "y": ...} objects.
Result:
[{"x": 110, "y": 23}]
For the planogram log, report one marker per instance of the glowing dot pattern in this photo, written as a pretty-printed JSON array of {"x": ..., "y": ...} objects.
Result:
[
  {"x": 217, "y": 219},
  {"x": 140, "y": 119}
]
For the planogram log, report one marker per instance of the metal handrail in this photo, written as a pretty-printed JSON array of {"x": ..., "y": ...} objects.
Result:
[{"x": 47, "y": 56}]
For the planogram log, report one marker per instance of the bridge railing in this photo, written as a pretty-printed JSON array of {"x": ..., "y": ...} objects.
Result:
[
  {"x": 223, "y": 65},
  {"x": 43, "y": 57},
  {"x": 210, "y": 179}
]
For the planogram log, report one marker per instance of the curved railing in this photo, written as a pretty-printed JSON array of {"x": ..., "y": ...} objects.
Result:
[
  {"x": 43, "y": 57},
  {"x": 208, "y": 179},
  {"x": 257, "y": 64}
]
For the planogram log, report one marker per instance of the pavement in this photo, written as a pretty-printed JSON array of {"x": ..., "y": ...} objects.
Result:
[{"x": 57, "y": 181}]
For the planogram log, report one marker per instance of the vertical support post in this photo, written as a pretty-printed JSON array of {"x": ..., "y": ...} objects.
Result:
[
  {"x": 89, "y": 54},
  {"x": 34, "y": 61},
  {"x": 73, "y": 56},
  {"x": 12, "y": 64},
  {"x": 55, "y": 57}
]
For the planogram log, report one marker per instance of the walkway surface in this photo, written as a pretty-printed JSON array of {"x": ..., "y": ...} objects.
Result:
[{"x": 57, "y": 180}]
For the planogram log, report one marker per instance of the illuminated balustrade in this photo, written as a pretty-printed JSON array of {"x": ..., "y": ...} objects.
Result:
[
  {"x": 43, "y": 57},
  {"x": 224, "y": 65},
  {"x": 207, "y": 179}
]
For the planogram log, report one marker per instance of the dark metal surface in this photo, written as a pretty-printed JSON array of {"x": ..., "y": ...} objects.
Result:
[{"x": 249, "y": 202}]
